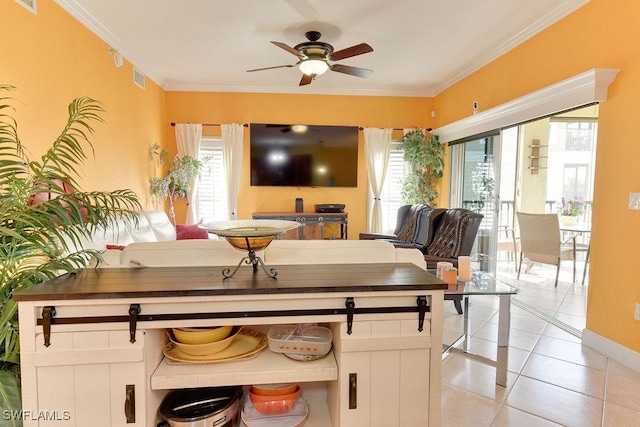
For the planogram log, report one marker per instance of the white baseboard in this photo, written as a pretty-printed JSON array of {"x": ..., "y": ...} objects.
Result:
[{"x": 619, "y": 353}]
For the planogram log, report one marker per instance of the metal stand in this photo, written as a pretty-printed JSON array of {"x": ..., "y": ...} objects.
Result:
[
  {"x": 252, "y": 259},
  {"x": 502, "y": 356}
]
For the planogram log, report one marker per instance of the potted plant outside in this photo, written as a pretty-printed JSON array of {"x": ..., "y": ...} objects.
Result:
[
  {"x": 570, "y": 210},
  {"x": 426, "y": 157},
  {"x": 43, "y": 219}
]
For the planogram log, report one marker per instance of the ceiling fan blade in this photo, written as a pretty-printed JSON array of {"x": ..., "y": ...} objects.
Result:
[
  {"x": 358, "y": 49},
  {"x": 287, "y": 48},
  {"x": 354, "y": 71},
  {"x": 305, "y": 80},
  {"x": 270, "y": 68}
]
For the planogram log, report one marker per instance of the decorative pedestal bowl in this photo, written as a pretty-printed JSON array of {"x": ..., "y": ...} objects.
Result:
[{"x": 250, "y": 236}]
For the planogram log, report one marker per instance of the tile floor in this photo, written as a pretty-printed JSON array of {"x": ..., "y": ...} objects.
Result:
[{"x": 552, "y": 379}]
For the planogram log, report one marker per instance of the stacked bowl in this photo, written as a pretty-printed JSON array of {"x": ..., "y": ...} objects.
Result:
[
  {"x": 203, "y": 341},
  {"x": 274, "y": 405},
  {"x": 274, "y": 400}
]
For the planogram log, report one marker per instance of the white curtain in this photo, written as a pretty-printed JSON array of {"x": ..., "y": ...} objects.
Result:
[
  {"x": 188, "y": 142},
  {"x": 377, "y": 144},
  {"x": 232, "y": 149}
]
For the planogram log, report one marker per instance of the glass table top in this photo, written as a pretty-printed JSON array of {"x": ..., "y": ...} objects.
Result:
[{"x": 481, "y": 283}]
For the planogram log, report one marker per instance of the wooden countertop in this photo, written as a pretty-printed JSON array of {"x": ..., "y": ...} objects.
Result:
[{"x": 208, "y": 281}]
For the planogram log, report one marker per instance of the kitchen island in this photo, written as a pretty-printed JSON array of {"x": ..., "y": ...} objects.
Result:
[{"x": 92, "y": 342}]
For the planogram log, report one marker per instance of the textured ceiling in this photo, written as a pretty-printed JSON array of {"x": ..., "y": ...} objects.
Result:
[{"x": 420, "y": 46}]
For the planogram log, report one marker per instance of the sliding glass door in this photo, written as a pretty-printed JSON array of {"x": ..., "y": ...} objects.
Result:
[
  {"x": 531, "y": 167},
  {"x": 476, "y": 187}
]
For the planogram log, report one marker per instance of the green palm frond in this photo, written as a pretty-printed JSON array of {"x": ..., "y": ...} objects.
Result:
[
  {"x": 42, "y": 222},
  {"x": 10, "y": 397}
]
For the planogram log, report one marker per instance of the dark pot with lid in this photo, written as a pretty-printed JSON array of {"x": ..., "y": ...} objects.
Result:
[{"x": 202, "y": 407}]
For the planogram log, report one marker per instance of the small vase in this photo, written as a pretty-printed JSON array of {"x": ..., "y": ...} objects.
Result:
[{"x": 568, "y": 220}]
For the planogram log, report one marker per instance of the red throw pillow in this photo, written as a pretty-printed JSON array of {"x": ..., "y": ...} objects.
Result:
[
  {"x": 192, "y": 231},
  {"x": 116, "y": 247}
]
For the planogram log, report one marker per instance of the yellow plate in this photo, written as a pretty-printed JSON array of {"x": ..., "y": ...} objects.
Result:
[{"x": 245, "y": 344}]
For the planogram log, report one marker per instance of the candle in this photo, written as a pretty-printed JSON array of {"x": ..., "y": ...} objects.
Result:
[
  {"x": 440, "y": 266},
  {"x": 450, "y": 275},
  {"x": 464, "y": 268}
]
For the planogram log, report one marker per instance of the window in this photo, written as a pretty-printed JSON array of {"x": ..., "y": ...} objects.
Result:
[
  {"x": 576, "y": 181},
  {"x": 391, "y": 196},
  {"x": 572, "y": 147},
  {"x": 580, "y": 136},
  {"x": 212, "y": 185}
]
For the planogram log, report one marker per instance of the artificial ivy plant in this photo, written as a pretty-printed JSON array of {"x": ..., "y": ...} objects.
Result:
[
  {"x": 44, "y": 216},
  {"x": 426, "y": 157}
]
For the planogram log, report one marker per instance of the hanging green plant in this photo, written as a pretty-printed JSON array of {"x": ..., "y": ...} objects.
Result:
[{"x": 426, "y": 156}]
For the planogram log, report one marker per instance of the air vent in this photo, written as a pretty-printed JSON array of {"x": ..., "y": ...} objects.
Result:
[
  {"x": 138, "y": 78},
  {"x": 29, "y": 5}
]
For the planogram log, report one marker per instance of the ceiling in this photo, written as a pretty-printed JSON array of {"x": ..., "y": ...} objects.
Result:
[{"x": 420, "y": 47}]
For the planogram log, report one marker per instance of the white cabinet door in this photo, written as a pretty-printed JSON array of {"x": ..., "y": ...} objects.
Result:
[
  {"x": 73, "y": 391},
  {"x": 89, "y": 395},
  {"x": 383, "y": 374}
]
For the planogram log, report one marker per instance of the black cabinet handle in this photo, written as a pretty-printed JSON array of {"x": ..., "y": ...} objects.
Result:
[
  {"x": 130, "y": 404},
  {"x": 353, "y": 391}
]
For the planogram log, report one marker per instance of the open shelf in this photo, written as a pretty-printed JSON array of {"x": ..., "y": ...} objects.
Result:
[
  {"x": 267, "y": 368},
  {"x": 318, "y": 415}
]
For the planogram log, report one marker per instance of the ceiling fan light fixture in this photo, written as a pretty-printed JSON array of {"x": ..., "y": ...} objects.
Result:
[{"x": 314, "y": 67}]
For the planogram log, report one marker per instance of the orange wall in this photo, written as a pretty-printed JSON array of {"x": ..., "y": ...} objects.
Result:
[
  {"x": 57, "y": 59},
  {"x": 597, "y": 35},
  {"x": 192, "y": 107},
  {"x": 51, "y": 59}
]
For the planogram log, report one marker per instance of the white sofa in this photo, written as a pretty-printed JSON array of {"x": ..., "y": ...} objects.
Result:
[
  {"x": 152, "y": 243},
  {"x": 151, "y": 226},
  {"x": 220, "y": 253}
]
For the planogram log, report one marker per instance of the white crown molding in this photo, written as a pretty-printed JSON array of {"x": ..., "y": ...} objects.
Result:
[
  {"x": 585, "y": 88},
  {"x": 88, "y": 20},
  {"x": 565, "y": 8},
  {"x": 621, "y": 354}
]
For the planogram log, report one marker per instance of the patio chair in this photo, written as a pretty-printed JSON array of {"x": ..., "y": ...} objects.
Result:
[
  {"x": 540, "y": 242},
  {"x": 510, "y": 243}
]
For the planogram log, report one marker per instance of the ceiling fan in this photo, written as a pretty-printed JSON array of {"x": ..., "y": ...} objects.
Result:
[{"x": 314, "y": 56}]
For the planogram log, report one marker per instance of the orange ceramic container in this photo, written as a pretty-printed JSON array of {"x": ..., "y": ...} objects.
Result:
[
  {"x": 274, "y": 389},
  {"x": 274, "y": 405}
]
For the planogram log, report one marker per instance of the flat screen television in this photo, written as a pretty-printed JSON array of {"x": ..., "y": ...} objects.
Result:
[{"x": 298, "y": 155}]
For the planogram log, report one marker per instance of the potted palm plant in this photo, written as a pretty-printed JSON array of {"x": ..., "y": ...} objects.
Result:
[{"x": 43, "y": 218}]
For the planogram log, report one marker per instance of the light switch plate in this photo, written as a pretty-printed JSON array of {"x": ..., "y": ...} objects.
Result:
[{"x": 634, "y": 201}]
